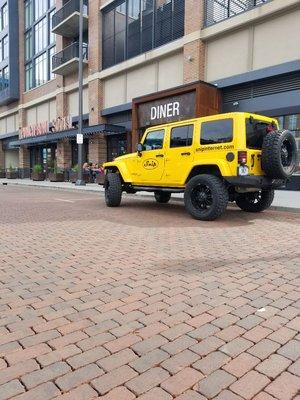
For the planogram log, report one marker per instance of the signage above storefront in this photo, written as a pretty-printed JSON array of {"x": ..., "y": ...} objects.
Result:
[
  {"x": 166, "y": 110},
  {"x": 47, "y": 128}
]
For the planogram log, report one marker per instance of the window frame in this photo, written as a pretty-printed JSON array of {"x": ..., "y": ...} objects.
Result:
[
  {"x": 153, "y": 131},
  {"x": 49, "y": 47},
  {"x": 183, "y": 126},
  {"x": 215, "y": 121}
]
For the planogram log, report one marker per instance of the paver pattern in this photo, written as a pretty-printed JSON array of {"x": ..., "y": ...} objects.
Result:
[{"x": 144, "y": 302}]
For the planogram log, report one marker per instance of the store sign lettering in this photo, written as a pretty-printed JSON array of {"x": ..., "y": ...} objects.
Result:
[
  {"x": 169, "y": 109},
  {"x": 44, "y": 128},
  {"x": 166, "y": 110}
]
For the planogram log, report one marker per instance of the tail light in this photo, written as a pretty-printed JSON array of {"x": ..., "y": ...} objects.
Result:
[
  {"x": 242, "y": 157},
  {"x": 270, "y": 128}
]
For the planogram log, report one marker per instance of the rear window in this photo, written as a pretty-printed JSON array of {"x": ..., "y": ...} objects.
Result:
[
  {"x": 217, "y": 131},
  {"x": 255, "y": 132}
]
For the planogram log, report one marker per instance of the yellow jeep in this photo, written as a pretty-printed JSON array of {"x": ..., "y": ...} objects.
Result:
[{"x": 237, "y": 157}]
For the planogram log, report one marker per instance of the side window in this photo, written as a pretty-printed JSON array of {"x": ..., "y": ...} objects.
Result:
[
  {"x": 182, "y": 136},
  {"x": 154, "y": 140},
  {"x": 216, "y": 131}
]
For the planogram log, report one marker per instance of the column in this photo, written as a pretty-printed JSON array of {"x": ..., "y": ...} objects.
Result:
[
  {"x": 64, "y": 154},
  {"x": 194, "y": 52},
  {"x": 24, "y": 162},
  {"x": 97, "y": 149}
]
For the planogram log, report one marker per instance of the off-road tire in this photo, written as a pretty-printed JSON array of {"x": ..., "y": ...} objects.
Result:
[
  {"x": 113, "y": 189},
  {"x": 275, "y": 143},
  {"x": 218, "y": 197},
  {"x": 162, "y": 197},
  {"x": 255, "y": 201}
]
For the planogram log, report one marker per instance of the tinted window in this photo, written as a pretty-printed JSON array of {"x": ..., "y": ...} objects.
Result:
[
  {"x": 154, "y": 140},
  {"x": 182, "y": 136},
  {"x": 255, "y": 131},
  {"x": 216, "y": 131}
]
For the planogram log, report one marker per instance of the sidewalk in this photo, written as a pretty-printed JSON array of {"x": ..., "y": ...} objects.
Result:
[{"x": 285, "y": 200}]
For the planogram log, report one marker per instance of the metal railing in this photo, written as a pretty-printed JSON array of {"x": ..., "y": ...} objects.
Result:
[
  {"x": 67, "y": 54},
  {"x": 68, "y": 9},
  {"x": 220, "y": 10}
]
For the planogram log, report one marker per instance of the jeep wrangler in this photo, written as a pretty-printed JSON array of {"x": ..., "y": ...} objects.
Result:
[{"x": 233, "y": 157}]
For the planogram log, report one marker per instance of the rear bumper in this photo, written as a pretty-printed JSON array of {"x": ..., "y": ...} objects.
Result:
[{"x": 260, "y": 182}]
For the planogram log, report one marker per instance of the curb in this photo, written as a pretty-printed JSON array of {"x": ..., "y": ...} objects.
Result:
[{"x": 145, "y": 194}]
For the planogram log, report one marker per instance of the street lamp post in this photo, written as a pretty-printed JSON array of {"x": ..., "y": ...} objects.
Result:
[{"x": 80, "y": 181}]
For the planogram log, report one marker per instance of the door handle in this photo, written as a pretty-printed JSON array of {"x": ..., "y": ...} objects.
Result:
[
  {"x": 159, "y": 155},
  {"x": 186, "y": 154},
  {"x": 252, "y": 160}
]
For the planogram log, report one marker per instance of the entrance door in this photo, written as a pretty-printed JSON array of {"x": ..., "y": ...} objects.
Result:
[
  {"x": 116, "y": 146},
  {"x": 151, "y": 162},
  {"x": 179, "y": 154},
  {"x": 48, "y": 156}
]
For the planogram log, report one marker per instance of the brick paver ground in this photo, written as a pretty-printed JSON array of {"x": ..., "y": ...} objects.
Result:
[{"x": 144, "y": 302}]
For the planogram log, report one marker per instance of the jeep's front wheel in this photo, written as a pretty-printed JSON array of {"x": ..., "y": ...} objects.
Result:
[
  {"x": 255, "y": 201},
  {"x": 162, "y": 197},
  {"x": 113, "y": 190},
  {"x": 205, "y": 197}
]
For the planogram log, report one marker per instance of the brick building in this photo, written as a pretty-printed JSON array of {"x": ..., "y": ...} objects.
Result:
[{"x": 247, "y": 48}]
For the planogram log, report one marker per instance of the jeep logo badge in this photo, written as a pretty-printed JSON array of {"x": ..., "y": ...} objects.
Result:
[{"x": 150, "y": 164}]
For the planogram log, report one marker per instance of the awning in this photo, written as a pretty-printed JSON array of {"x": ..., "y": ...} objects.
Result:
[{"x": 105, "y": 129}]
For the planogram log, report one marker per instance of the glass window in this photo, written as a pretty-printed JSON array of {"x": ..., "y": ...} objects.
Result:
[
  {"x": 4, "y": 12},
  {"x": 52, "y": 35},
  {"x": 5, "y": 47},
  {"x": 120, "y": 33},
  {"x": 182, "y": 136},
  {"x": 147, "y": 25},
  {"x": 40, "y": 7},
  {"x": 41, "y": 35},
  {"x": 51, "y": 54},
  {"x": 28, "y": 45},
  {"x": 134, "y": 29},
  {"x": 28, "y": 76},
  {"x": 255, "y": 131},
  {"x": 154, "y": 140},
  {"x": 216, "y": 131},
  {"x": 135, "y": 26},
  {"x": 41, "y": 69},
  {"x": 28, "y": 13}
]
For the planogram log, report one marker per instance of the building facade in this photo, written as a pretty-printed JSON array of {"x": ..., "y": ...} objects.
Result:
[{"x": 247, "y": 49}]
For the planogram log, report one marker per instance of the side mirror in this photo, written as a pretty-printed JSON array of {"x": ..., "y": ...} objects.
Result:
[{"x": 139, "y": 148}]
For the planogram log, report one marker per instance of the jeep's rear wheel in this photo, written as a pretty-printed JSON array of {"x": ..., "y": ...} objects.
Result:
[
  {"x": 205, "y": 197},
  {"x": 279, "y": 154},
  {"x": 113, "y": 189},
  {"x": 255, "y": 201},
  {"x": 162, "y": 197}
]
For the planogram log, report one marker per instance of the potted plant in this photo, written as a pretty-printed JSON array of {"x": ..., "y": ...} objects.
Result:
[
  {"x": 2, "y": 173},
  {"x": 56, "y": 175},
  {"x": 38, "y": 173},
  {"x": 74, "y": 174},
  {"x": 12, "y": 173}
]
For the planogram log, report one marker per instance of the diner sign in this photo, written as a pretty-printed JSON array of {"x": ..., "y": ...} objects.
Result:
[
  {"x": 170, "y": 109},
  {"x": 46, "y": 128}
]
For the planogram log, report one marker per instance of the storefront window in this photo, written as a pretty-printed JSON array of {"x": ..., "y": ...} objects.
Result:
[
  {"x": 39, "y": 42},
  {"x": 292, "y": 123},
  {"x": 135, "y": 26}
]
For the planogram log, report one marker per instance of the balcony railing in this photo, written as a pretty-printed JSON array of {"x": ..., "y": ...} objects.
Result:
[
  {"x": 219, "y": 10},
  {"x": 67, "y": 60},
  {"x": 66, "y": 20}
]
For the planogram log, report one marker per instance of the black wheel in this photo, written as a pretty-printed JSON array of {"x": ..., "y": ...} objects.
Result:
[
  {"x": 255, "y": 201},
  {"x": 113, "y": 189},
  {"x": 205, "y": 197},
  {"x": 279, "y": 154},
  {"x": 162, "y": 197}
]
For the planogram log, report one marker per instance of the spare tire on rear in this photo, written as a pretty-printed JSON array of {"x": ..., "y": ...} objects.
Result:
[{"x": 279, "y": 154}]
